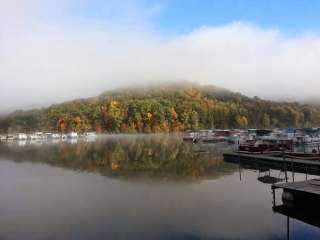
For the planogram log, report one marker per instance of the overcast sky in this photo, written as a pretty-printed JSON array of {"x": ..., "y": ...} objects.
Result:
[{"x": 57, "y": 50}]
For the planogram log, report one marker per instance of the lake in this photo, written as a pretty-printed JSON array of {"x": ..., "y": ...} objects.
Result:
[{"x": 137, "y": 187}]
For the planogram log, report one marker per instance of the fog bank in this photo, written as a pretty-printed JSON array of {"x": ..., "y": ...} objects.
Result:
[{"x": 48, "y": 58}]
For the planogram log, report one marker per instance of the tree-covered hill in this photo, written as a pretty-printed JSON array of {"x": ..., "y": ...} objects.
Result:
[{"x": 163, "y": 108}]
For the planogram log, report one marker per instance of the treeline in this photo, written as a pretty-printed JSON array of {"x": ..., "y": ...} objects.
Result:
[{"x": 163, "y": 109}]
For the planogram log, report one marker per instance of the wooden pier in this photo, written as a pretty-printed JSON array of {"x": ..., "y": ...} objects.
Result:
[
  {"x": 302, "y": 194},
  {"x": 300, "y": 201},
  {"x": 311, "y": 186}
]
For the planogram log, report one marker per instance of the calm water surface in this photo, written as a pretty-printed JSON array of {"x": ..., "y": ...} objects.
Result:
[{"x": 136, "y": 187}]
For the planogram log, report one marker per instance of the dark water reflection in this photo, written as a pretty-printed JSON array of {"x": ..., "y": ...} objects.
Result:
[
  {"x": 135, "y": 187},
  {"x": 153, "y": 156}
]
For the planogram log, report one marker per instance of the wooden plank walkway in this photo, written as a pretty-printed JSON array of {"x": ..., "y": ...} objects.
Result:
[{"x": 310, "y": 186}]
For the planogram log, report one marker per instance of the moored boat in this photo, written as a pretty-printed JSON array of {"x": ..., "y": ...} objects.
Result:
[
  {"x": 72, "y": 135},
  {"x": 190, "y": 136},
  {"x": 3, "y": 138},
  {"x": 21, "y": 136},
  {"x": 90, "y": 134},
  {"x": 55, "y": 136}
]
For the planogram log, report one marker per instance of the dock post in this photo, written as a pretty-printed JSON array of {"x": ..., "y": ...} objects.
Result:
[
  {"x": 239, "y": 167},
  {"x": 273, "y": 196},
  {"x": 288, "y": 228},
  {"x": 285, "y": 172},
  {"x": 292, "y": 169}
]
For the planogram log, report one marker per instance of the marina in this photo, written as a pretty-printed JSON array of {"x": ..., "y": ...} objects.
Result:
[
  {"x": 277, "y": 150},
  {"x": 41, "y": 136},
  {"x": 293, "y": 137}
]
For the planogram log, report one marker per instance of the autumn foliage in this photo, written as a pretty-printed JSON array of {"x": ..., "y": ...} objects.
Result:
[{"x": 163, "y": 109}]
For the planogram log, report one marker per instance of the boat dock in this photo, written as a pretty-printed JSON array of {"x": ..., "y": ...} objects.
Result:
[
  {"x": 309, "y": 187},
  {"x": 302, "y": 193}
]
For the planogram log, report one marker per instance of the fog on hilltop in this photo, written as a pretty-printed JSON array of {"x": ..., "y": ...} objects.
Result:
[{"x": 49, "y": 55}]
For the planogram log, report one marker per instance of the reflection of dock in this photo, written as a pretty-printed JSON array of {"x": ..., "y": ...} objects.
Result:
[
  {"x": 307, "y": 215},
  {"x": 271, "y": 159},
  {"x": 297, "y": 165}
]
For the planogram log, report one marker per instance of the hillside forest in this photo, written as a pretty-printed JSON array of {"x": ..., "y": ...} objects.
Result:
[{"x": 167, "y": 108}]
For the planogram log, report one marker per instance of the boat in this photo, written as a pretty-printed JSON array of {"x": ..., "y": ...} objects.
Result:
[
  {"x": 217, "y": 136},
  {"x": 36, "y": 136},
  {"x": 55, "y": 136},
  {"x": 190, "y": 136},
  {"x": 90, "y": 134},
  {"x": 72, "y": 135},
  {"x": 21, "y": 136},
  {"x": 265, "y": 146}
]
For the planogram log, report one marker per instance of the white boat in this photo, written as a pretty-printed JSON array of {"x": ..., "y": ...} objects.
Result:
[
  {"x": 190, "y": 135},
  {"x": 55, "y": 136},
  {"x": 3, "y": 138},
  {"x": 21, "y": 136},
  {"x": 72, "y": 135},
  {"x": 36, "y": 136},
  {"x": 90, "y": 134}
]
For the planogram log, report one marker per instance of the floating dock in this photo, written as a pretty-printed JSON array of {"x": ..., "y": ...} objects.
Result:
[
  {"x": 311, "y": 186},
  {"x": 299, "y": 194},
  {"x": 300, "y": 201}
]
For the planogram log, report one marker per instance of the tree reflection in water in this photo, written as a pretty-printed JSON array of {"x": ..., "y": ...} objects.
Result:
[{"x": 160, "y": 156}]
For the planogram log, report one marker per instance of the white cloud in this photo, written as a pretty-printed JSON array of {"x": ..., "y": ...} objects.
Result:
[{"x": 57, "y": 59}]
